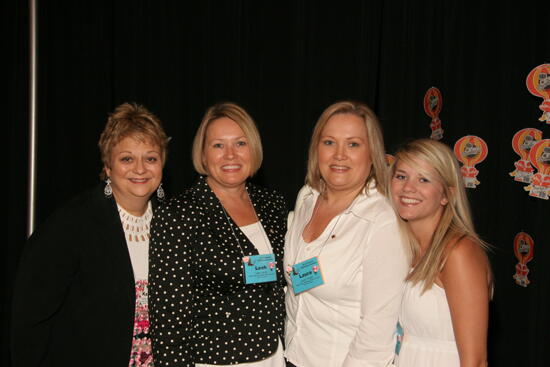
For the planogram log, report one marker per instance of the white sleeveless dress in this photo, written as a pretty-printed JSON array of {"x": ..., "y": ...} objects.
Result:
[{"x": 428, "y": 339}]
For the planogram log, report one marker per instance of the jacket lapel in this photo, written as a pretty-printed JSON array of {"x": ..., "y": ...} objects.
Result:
[
  {"x": 105, "y": 217},
  {"x": 225, "y": 226}
]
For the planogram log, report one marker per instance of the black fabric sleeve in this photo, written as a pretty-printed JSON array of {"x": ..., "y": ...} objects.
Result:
[{"x": 47, "y": 268}]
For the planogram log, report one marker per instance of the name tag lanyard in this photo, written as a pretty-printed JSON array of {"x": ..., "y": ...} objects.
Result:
[
  {"x": 256, "y": 268},
  {"x": 310, "y": 268}
]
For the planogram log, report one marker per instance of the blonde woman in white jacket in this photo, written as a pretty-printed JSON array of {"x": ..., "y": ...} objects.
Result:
[{"x": 345, "y": 262}]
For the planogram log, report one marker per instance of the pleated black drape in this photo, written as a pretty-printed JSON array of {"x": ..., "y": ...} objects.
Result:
[
  {"x": 15, "y": 35},
  {"x": 285, "y": 62}
]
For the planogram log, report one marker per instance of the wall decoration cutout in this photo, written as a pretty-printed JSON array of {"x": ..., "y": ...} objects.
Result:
[
  {"x": 390, "y": 159},
  {"x": 540, "y": 159},
  {"x": 524, "y": 250},
  {"x": 433, "y": 102},
  {"x": 538, "y": 83},
  {"x": 470, "y": 150},
  {"x": 522, "y": 142}
]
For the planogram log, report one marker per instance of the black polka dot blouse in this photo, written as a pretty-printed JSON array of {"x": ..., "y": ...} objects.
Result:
[{"x": 200, "y": 309}]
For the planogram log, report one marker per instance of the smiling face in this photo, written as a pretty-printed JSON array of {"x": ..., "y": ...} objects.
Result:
[
  {"x": 135, "y": 170},
  {"x": 226, "y": 154},
  {"x": 343, "y": 153},
  {"x": 417, "y": 195}
]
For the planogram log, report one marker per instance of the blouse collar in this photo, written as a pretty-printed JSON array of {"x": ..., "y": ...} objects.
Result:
[{"x": 355, "y": 207}]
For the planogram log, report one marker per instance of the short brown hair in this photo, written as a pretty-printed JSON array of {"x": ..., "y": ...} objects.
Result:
[
  {"x": 379, "y": 170},
  {"x": 131, "y": 120},
  {"x": 237, "y": 114}
]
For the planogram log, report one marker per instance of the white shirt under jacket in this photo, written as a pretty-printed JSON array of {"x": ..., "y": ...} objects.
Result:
[{"x": 351, "y": 319}]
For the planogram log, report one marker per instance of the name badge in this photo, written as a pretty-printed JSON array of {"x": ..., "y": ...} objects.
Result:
[
  {"x": 306, "y": 275},
  {"x": 259, "y": 269},
  {"x": 399, "y": 331}
]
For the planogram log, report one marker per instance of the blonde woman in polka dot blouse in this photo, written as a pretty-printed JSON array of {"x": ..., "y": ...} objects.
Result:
[{"x": 204, "y": 309}]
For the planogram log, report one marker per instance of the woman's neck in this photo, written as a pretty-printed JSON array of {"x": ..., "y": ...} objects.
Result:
[
  {"x": 235, "y": 202},
  {"x": 339, "y": 198},
  {"x": 329, "y": 204},
  {"x": 224, "y": 193},
  {"x": 424, "y": 232},
  {"x": 135, "y": 206}
]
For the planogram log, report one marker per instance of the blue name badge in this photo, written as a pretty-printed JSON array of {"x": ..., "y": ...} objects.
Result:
[
  {"x": 400, "y": 333},
  {"x": 306, "y": 275},
  {"x": 259, "y": 269}
]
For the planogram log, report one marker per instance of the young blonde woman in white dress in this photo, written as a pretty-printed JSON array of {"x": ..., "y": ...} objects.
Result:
[{"x": 444, "y": 310}]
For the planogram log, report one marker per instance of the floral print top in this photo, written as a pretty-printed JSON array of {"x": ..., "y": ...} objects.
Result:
[
  {"x": 136, "y": 230},
  {"x": 141, "y": 355}
]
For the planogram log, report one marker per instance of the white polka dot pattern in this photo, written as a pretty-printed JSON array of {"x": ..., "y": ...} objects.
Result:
[{"x": 200, "y": 309}]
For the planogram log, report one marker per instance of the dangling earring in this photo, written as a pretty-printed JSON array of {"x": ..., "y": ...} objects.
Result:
[
  {"x": 108, "y": 190},
  {"x": 160, "y": 193}
]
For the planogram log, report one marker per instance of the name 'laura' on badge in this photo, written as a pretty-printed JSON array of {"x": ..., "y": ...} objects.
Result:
[{"x": 306, "y": 275}]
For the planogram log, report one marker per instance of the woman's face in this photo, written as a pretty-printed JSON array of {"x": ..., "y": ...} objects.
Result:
[
  {"x": 343, "y": 151},
  {"x": 418, "y": 199},
  {"x": 226, "y": 154},
  {"x": 135, "y": 171}
]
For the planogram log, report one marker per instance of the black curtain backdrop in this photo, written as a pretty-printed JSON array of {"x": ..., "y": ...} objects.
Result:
[{"x": 285, "y": 62}]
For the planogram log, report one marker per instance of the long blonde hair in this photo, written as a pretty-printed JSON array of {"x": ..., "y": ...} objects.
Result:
[{"x": 456, "y": 220}]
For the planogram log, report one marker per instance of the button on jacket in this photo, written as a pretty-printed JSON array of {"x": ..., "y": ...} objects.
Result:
[
  {"x": 201, "y": 311},
  {"x": 351, "y": 319}
]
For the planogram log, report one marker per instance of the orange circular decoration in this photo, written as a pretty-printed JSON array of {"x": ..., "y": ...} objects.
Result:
[
  {"x": 433, "y": 102},
  {"x": 538, "y": 84},
  {"x": 524, "y": 249},
  {"x": 471, "y": 150},
  {"x": 390, "y": 159},
  {"x": 537, "y": 81},
  {"x": 540, "y": 156},
  {"x": 523, "y": 141}
]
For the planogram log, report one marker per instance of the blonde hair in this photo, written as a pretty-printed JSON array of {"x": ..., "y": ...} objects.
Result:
[
  {"x": 135, "y": 121},
  {"x": 456, "y": 220},
  {"x": 237, "y": 114},
  {"x": 378, "y": 172}
]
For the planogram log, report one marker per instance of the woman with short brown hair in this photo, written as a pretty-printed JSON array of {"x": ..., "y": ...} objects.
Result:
[{"x": 81, "y": 289}]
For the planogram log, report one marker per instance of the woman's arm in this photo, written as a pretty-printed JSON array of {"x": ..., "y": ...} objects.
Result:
[
  {"x": 464, "y": 278},
  {"x": 170, "y": 284},
  {"x": 385, "y": 266}
]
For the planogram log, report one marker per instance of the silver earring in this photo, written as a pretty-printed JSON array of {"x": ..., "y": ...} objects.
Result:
[
  {"x": 160, "y": 193},
  {"x": 108, "y": 190}
]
